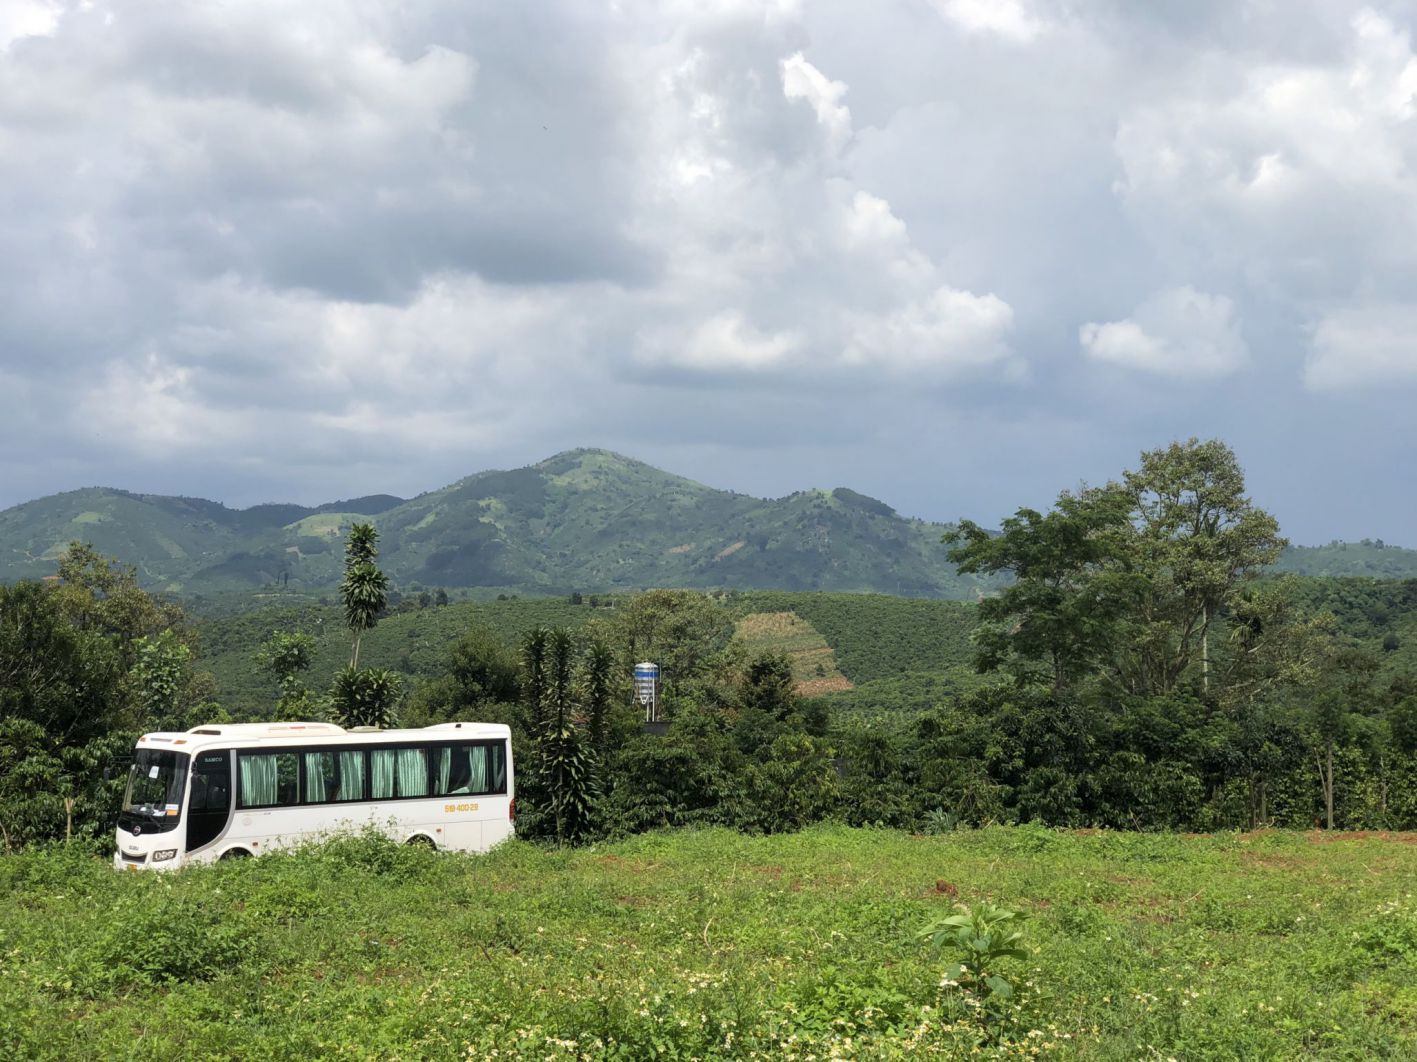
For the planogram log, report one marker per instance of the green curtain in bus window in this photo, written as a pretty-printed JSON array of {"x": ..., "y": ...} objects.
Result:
[
  {"x": 413, "y": 772},
  {"x": 351, "y": 776},
  {"x": 499, "y": 769},
  {"x": 258, "y": 780},
  {"x": 316, "y": 783},
  {"x": 381, "y": 774},
  {"x": 477, "y": 777}
]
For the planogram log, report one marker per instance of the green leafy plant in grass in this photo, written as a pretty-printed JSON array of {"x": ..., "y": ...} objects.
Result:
[
  {"x": 976, "y": 941},
  {"x": 939, "y": 821}
]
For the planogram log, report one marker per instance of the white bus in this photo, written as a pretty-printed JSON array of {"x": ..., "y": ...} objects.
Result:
[{"x": 226, "y": 791}]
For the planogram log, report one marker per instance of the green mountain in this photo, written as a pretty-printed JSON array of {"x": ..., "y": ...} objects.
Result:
[
  {"x": 1368, "y": 557},
  {"x": 585, "y": 519}
]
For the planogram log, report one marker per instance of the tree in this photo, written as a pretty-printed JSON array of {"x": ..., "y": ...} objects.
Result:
[
  {"x": 366, "y": 697},
  {"x": 1402, "y": 717},
  {"x": 287, "y": 656},
  {"x": 560, "y": 652},
  {"x": 484, "y": 671},
  {"x": 1265, "y": 743},
  {"x": 1128, "y": 579},
  {"x": 67, "y": 679},
  {"x": 1058, "y": 608},
  {"x": 364, "y": 587},
  {"x": 680, "y": 630},
  {"x": 568, "y": 780},
  {"x": 767, "y": 686},
  {"x": 597, "y": 693},
  {"x": 534, "y": 679},
  {"x": 84, "y": 664},
  {"x": 1192, "y": 539},
  {"x": 171, "y": 695},
  {"x": 1333, "y": 707},
  {"x": 97, "y": 594}
]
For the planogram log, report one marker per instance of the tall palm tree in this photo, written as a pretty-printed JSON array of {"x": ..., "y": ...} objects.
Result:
[{"x": 365, "y": 588}]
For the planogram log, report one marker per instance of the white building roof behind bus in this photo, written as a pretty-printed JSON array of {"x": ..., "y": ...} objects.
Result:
[{"x": 294, "y": 734}]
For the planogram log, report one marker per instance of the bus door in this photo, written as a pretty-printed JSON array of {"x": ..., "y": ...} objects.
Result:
[{"x": 209, "y": 807}]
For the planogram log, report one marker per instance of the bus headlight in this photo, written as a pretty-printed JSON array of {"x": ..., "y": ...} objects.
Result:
[{"x": 165, "y": 853}]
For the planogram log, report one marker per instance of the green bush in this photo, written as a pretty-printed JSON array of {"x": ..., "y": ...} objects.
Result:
[{"x": 167, "y": 935}]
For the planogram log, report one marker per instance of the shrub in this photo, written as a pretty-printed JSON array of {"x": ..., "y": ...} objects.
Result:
[
  {"x": 975, "y": 941},
  {"x": 177, "y": 937}
]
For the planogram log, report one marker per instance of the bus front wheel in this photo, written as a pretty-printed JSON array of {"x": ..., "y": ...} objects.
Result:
[{"x": 236, "y": 853}]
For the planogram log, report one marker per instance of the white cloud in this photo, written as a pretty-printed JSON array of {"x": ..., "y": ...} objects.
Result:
[
  {"x": 948, "y": 332},
  {"x": 728, "y": 343},
  {"x": 1302, "y": 177},
  {"x": 1363, "y": 347},
  {"x": 1009, "y": 19},
  {"x": 1179, "y": 332},
  {"x": 27, "y": 18},
  {"x": 151, "y": 407},
  {"x": 802, "y": 80},
  {"x": 782, "y": 263},
  {"x": 287, "y": 234}
]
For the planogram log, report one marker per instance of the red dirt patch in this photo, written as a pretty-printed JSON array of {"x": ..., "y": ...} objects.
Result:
[
  {"x": 1327, "y": 837},
  {"x": 817, "y": 687}
]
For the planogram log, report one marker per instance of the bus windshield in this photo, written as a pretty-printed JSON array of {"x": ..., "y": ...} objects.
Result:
[{"x": 154, "y": 793}]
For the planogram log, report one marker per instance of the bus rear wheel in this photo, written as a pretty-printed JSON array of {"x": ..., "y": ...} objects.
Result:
[{"x": 419, "y": 840}]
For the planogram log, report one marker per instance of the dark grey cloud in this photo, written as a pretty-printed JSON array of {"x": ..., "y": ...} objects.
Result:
[{"x": 956, "y": 253}]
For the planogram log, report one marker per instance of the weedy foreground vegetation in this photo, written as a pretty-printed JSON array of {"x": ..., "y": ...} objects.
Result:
[{"x": 713, "y": 944}]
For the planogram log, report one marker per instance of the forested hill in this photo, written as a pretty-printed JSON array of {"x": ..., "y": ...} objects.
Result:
[
  {"x": 585, "y": 519},
  {"x": 1371, "y": 558}
]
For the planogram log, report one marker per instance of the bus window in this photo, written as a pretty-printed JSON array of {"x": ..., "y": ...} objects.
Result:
[
  {"x": 321, "y": 779},
  {"x": 413, "y": 772},
  {"x": 209, "y": 805},
  {"x": 153, "y": 799},
  {"x": 351, "y": 776},
  {"x": 395, "y": 773},
  {"x": 470, "y": 769},
  {"x": 268, "y": 779}
]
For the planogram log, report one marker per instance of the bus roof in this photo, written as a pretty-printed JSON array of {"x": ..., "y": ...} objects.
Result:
[{"x": 226, "y": 735}]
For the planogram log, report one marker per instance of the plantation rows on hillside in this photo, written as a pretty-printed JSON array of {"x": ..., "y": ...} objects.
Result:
[
  {"x": 903, "y": 655},
  {"x": 872, "y": 637},
  {"x": 875, "y": 636},
  {"x": 415, "y": 643},
  {"x": 715, "y": 945}
]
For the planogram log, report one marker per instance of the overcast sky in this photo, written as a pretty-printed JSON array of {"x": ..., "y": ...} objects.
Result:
[{"x": 956, "y": 254}]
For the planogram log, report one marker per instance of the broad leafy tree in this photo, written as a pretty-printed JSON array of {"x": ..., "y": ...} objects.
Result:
[
  {"x": 366, "y": 697},
  {"x": 1192, "y": 539},
  {"x": 287, "y": 656},
  {"x": 1059, "y": 609}
]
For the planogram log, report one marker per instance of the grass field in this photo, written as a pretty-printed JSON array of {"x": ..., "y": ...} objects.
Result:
[{"x": 713, "y": 944}]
